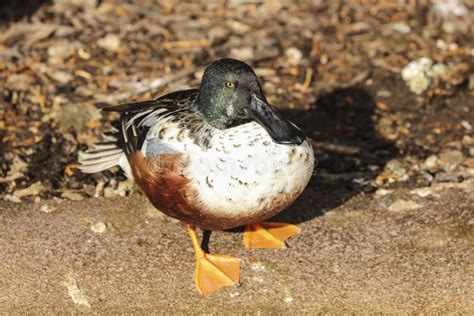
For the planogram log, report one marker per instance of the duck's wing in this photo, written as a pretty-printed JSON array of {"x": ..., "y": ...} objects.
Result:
[
  {"x": 171, "y": 101},
  {"x": 135, "y": 120}
]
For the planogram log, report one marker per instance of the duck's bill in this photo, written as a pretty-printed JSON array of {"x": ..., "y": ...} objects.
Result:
[{"x": 280, "y": 129}]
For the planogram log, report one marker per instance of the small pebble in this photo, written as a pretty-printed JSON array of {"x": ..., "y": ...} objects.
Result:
[
  {"x": 11, "y": 198},
  {"x": 418, "y": 74},
  {"x": 125, "y": 187},
  {"x": 99, "y": 188},
  {"x": 383, "y": 192},
  {"x": 471, "y": 82},
  {"x": 401, "y": 27},
  {"x": 384, "y": 93},
  {"x": 403, "y": 206},
  {"x": 467, "y": 140},
  {"x": 437, "y": 70},
  {"x": 109, "y": 192},
  {"x": 432, "y": 164},
  {"x": 422, "y": 192},
  {"x": 33, "y": 189},
  {"x": 466, "y": 125},
  {"x": 19, "y": 82},
  {"x": 109, "y": 42},
  {"x": 62, "y": 50},
  {"x": 99, "y": 227},
  {"x": 414, "y": 74},
  {"x": 47, "y": 208},
  {"x": 73, "y": 196},
  {"x": 450, "y": 159},
  {"x": 293, "y": 56},
  {"x": 62, "y": 77},
  {"x": 449, "y": 27},
  {"x": 394, "y": 171},
  {"x": 257, "y": 266},
  {"x": 243, "y": 53},
  {"x": 469, "y": 163}
]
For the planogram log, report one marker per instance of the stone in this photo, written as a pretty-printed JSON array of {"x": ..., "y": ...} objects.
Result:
[
  {"x": 414, "y": 74},
  {"x": 449, "y": 27},
  {"x": 424, "y": 192},
  {"x": 45, "y": 208},
  {"x": 418, "y": 74},
  {"x": 19, "y": 82},
  {"x": 397, "y": 169},
  {"x": 401, "y": 27},
  {"x": 438, "y": 70},
  {"x": 471, "y": 82},
  {"x": 383, "y": 192},
  {"x": 432, "y": 164},
  {"x": 61, "y": 50},
  {"x": 71, "y": 195},
  {"x": 449, "y": 160},
  {"x": 125, "y": 187},
  {"x": 294, "y": 56},
  {"x": 99, "y": 227},
  {"x": 110, "y": 42},
  {"x": 466, "y": 125},
  {"x": 109, "y": 192},
  {"x": 469, "y": 163},
  {"x": 33, "y": 189},
  {"x": 387, "y": 177},
  {"x": 243, "y": 53},
  {"x": 401, "y": 206},
  {"x": 11, "y": 198},
  {"x": 62, "y": 77},
  {"x": 418, "y": 83}
]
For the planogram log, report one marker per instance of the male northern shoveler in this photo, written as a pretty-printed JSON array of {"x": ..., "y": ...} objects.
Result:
[{"x": 216, "y": 157}]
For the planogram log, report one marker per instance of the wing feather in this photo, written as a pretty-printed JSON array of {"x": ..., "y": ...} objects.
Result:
[{"x": 129, "y": 132}]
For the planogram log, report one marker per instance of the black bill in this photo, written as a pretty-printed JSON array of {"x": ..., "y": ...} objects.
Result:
[{"x": 281, "y": 130}]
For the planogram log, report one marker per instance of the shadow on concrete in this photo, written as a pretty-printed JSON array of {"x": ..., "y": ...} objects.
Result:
[
  {"x": 14, "y": 10},
  {"x": 348, "y": 152}
]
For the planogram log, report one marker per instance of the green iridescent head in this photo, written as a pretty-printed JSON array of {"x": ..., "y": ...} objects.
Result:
[{"x": 230, "y": 95}]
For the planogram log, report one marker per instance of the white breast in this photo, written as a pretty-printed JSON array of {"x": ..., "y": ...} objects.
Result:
[{"x": 244, "y": 172}]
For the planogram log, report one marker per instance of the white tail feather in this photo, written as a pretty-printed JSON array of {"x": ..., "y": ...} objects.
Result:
[{"x": 97, "y": 161}]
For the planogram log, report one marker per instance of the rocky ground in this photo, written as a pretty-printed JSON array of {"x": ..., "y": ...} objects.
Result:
[{"x": 384, "y": 90}]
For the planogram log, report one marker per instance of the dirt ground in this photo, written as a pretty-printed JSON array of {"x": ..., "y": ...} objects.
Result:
[
  {"x": 384, "y": 90},
  {"x": 387, "y": 253}
]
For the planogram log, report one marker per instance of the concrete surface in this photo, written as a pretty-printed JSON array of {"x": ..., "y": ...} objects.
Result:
[{"x": 390, "y": 252}]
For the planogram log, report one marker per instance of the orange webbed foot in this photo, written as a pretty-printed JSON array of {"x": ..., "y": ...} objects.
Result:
[
  {"x": 212, "y": 271},
  {"x": 269, "y": 235},
  {"x": 216, "y": 271}
]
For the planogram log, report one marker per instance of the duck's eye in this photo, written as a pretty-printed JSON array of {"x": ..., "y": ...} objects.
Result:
[{"x": 230, "y": 85}]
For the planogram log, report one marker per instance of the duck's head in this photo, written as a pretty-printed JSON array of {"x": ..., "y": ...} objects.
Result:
[{"x": 230, "y": 95}]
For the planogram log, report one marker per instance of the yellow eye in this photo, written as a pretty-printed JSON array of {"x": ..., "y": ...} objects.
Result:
[{"x": 230, "y": 85}]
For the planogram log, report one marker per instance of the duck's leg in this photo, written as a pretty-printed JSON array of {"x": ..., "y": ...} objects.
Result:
[
  {"x": 212, "y": 271},
  {"x": 269, "y": 234}
]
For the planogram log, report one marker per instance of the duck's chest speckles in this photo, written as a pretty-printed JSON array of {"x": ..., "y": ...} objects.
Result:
[{"x": 245, "y": 171}]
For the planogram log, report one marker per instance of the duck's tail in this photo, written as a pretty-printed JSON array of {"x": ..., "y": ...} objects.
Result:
[
  {"x": 115, "y": 147},
  {"x": 112, "y": 151},
  {"x": 103, "y": 155}
]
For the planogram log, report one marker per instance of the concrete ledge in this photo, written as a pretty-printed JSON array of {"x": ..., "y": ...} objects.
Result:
[{"x": 390, "y": 252}]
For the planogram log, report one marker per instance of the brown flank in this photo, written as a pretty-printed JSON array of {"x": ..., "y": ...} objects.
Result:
[{"x": 165, "y": 185}]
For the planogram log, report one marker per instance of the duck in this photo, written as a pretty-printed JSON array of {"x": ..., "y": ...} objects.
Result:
[{"x": 215, "y": 158}]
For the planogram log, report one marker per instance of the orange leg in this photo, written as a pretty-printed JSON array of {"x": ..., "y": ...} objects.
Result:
[
  {"x": 269, "y": 234},
  {"x": 212, "y": 271}
]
